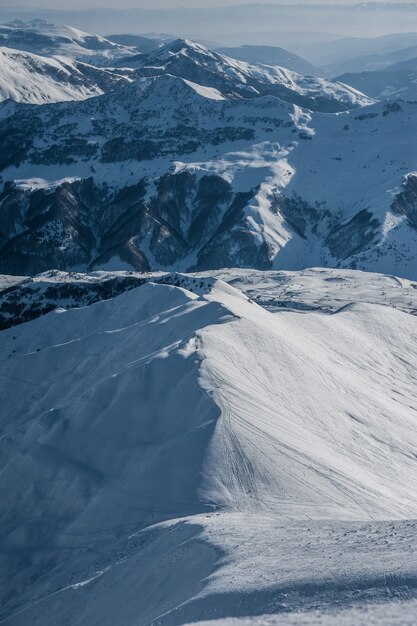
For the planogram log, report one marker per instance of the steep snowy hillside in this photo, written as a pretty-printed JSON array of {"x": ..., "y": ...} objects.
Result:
[
  {"x": 167, "y": 174},
  {"x": 46, "y": 39},
  {"x": 234, "y": 78},
  {"x": 30, "y": 78},
  {"x": 288, "y": 437}
]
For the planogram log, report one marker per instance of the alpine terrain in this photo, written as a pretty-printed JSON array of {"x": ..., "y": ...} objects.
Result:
[
  {"x": 201, "y": 161},
  {"x": 154, "y": 470},
  {"x": 208, "y": 330}
]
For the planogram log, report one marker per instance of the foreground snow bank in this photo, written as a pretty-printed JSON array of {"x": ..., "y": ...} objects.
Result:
[{"x": 221, "y": 566}]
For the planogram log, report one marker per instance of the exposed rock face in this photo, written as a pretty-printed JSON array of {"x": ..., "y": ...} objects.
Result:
[
  {"x": 83, "y": 220},
  {"x": 197, "y": 222},
  {"x": 347, "y": 240},
  {"x": 405, "y": 202},
  {"x": 92, "y": 225}
]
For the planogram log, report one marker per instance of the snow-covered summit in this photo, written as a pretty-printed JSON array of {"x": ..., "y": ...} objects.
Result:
[{"x": 46, "y": 39}]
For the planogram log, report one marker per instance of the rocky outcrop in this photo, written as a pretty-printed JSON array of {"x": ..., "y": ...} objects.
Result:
[
  {"x": 67, "y": 226},
  {"x": 405, "y": 203},
  {"x": 350, "y": 238}
]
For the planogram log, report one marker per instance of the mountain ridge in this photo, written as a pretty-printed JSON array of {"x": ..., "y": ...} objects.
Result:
[
  {"x": 146, "y": 412},
  {"x": 33, "y": 79}
]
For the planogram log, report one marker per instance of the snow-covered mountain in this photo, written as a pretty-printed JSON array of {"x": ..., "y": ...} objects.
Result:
[
  {"x": 202, "y": 162},
  {"x": 230, "y": 445},
  {"x": 46, "y": 39},
  {"x": 30, "y": 78},
  {"x": 271, "y": 55},
  {"x": 166, "y": 173},
  {"x": 181, "y": 453},
  {"x": 191, "y": 61}
]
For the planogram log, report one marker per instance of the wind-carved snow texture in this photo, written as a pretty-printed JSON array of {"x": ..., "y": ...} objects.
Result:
[{"x": 181, "y": 455}]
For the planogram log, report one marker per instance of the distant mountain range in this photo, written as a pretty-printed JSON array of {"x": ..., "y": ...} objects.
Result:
[
  {"x": 373, "y": 62},
  {"x": 385, "y": 84},
  {"x": 45, "y": 63},
  {"x": 194, "y": 160},
  {"x": 230, "y": 25},
  {"x": 138, "y": 42},
  {"x": 348, "y": 49}
]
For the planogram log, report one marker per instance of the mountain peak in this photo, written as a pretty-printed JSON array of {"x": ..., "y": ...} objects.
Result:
[
  {"x": 239, "y": 79},
  {"x": 180, "y": 47}
]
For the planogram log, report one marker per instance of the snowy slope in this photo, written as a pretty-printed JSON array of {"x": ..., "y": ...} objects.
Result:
[
  {"x": 30, "y": 78},
  {"x": 23, "y": 299},
  {"x": 46, "y": 39},
  {"x": 255, "y": 570},
  {"x": 165, "y": 402}
]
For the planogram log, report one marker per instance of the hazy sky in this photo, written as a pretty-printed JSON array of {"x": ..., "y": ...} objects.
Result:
[
  {"x": 220, "y": 21},
  {"x": 152, "y": 4}
]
